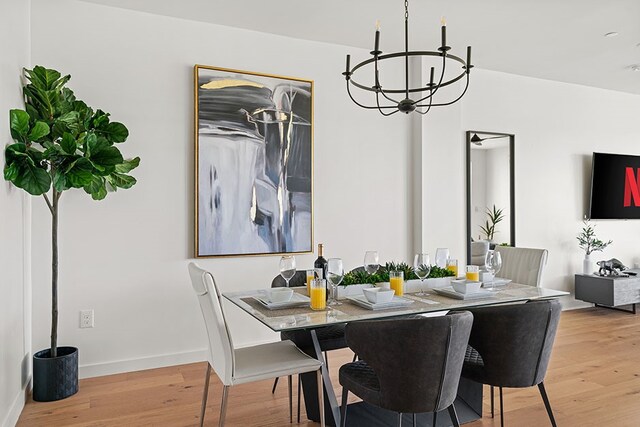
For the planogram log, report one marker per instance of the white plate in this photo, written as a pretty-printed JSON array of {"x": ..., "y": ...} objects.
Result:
[
  {"x": 362, "y": 301},
  {"x": 496, "y": 282},
  {"x": 450, "y": 292},
  {"x": 297, "y": 300}
]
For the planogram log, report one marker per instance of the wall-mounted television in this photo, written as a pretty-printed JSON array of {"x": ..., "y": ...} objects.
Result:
[{"x": 615, "y": 187}]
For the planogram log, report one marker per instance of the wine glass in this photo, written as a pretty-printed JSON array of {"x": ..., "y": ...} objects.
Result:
[
  {"x": 371, "y": 262},
  {"x": 287, "y": 267},
  {"x": 422, "y": 268},
  {"x": 493, "y": 264},
  {"x": 335, "y": 273}
]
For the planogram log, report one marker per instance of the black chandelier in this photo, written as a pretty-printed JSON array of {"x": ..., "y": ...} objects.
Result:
[{"x": 388, "y": 105}]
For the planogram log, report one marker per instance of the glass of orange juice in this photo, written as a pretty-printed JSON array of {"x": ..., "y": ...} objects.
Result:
[
  {"x": 396, "y": 282},
  {"x": 311, "y": 274},
  {"x": 473, "y": 273},
  {"x": 318, "y": 294},
  {"x": 452, "y": 266}
]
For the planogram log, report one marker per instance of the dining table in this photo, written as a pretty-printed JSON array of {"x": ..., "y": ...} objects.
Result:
[{"x": 301, "y": 318}]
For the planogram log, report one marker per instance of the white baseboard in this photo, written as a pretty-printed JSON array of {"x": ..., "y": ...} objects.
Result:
[
  {"x": 149, "y": 362},
  {"x": 11, "y": 419},
  {"x": 140, "y": 363}
]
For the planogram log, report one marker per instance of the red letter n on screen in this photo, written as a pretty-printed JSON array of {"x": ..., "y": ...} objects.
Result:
[{"x": 631, "y": 188}]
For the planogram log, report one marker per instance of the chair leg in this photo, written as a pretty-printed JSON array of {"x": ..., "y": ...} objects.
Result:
[
  {"x": 343, "y": 408},
  {"x": 355, "y": 357},
  {"x": 299, "y": 393},
  {"x": 320, "y": 397},
  {"x": 492, "y": 392},
  {"x": 326, "y": 359},
  {"x": 435, "y": 419},
  {"x": 399, "y": 419},
  {"x": 501, "y": 410},
  {"x": 223, "y": 406},
  {"x": 290, "y": 399},
  {"x": 415, "y": 421},
  {"x": 454, "y": 416},
  {"x": 547, "y": 405},
  {"x": 275, "y": 384},
  {"x": 205, "y": 394}
]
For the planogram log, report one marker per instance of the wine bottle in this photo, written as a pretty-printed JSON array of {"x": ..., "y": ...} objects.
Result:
[{"x": 320, "y": 266}]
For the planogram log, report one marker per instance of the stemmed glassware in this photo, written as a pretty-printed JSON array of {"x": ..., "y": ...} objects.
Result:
[
  {"x": 335, "y": 273},
  {"x": 422, "y": 267},
  {"x": 287, "y": 267},
  {"x": 371, "y": 262},
  {"x": 493, "y": 264}
]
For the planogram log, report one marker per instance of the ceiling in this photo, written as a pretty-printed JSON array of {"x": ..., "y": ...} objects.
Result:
[{"x": 560, "y": 40}]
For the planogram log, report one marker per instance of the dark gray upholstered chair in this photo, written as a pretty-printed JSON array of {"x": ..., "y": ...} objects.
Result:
[
  {"x": 510, "y": 346},
  {"x": 329, "y": 337},
  {"x": 433, "y": 348}
]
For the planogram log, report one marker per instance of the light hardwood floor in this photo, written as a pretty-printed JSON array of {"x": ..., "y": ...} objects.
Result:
[{"x": 593, "y": 380}]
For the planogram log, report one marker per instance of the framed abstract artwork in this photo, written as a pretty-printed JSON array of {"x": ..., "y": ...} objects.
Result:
[{"x": 253, "y": 163}]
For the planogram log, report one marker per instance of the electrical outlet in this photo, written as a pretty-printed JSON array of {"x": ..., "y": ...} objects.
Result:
[{"x": 86, "y": 318}]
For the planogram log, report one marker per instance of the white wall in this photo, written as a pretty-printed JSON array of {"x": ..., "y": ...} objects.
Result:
[
  {"x": 557, "y": 127},
  {"x": 15, "y": 334},
  {"x": 126, "y": 257}
]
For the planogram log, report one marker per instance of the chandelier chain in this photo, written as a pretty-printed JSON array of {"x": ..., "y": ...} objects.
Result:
[{"x": 406, "y": 10}]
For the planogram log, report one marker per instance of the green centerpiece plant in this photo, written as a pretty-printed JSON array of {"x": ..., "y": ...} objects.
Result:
[
  {"x": 60, "y": 143},
  {"x": 382, "y": 275}
]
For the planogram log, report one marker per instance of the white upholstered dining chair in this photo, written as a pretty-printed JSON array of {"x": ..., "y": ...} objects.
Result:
[
  {"x": 238, "y": 366},
  {"x": 522, "y": 265}
]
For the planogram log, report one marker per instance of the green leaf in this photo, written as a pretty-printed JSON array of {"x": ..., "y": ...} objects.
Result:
[
  {"x": 116, "y": 132},
  {"x": 121, "y": 180},
  {"x": 15, "y": 151},
  {"x": 128, "y": 165},
  {"x": 43, "y": 77},
  {"x": 59, "y": 181},
  {"x": 71, "y": 120},
  {"x": 11, "y": 171},
  {"x": 19, "y": 122},
  {"x": 79, "y": 174},
  {"x": 96, "y": 188},
  {"x": 33, "y": 179},
  {"x": 101, "y": 153},
  {"x": 39, "y": 130},
  {"x": 68, "y": 143}
]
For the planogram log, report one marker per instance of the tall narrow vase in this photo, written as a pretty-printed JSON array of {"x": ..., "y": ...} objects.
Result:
[{"x": 587, "y": 264}]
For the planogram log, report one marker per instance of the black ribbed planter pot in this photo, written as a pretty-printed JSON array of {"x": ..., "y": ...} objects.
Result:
[{"x": 55, "y": 378}]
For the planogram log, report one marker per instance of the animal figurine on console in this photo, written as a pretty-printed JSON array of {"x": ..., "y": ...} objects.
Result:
[{"x": 612, "y": 267}]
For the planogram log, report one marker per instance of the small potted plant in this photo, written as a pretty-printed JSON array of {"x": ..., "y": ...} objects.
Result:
[
  {"x": 494, "y": 215},
  {"x": 60, "y": 143},
  {"x": 589, "y": 243}
]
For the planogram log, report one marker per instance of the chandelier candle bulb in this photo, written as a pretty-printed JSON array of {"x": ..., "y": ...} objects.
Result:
[
  {"x": 444, "y": 34},
  {"x": 348, "y": 63},
  {"x": 468, "y": 59},
  {"x": 377, "y": 43},
  {"x": 433, "y": 70}
]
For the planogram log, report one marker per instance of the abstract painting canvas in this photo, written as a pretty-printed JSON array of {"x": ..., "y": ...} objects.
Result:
[{"x": 254, "y": 166}]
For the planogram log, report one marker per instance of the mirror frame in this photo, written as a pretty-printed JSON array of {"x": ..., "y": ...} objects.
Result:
[{"x": 512, "y": 205}]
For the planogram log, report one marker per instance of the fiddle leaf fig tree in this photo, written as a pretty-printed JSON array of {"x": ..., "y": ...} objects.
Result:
[{"x": 61, "y": 143}]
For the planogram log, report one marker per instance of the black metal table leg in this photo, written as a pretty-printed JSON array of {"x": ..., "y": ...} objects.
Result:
[{"x": 632, "y": 310}]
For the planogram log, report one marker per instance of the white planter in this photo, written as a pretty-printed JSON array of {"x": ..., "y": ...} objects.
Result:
[
  {"x": 587, "y": 264},
  {"x": 351, "y": 290}
]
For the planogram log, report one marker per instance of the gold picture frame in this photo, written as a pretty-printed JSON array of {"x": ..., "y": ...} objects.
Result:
[{"x": 253, "y": 164}]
